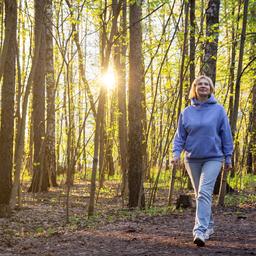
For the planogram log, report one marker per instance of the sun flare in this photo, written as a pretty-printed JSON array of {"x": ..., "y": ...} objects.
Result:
[{"x": 108, "y": 79}]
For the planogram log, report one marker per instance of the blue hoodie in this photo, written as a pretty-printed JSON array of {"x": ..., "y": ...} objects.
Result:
[{"x": 204, "y": 132}]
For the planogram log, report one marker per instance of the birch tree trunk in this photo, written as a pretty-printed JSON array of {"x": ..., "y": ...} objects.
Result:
[{"x": 212, "y": 34}]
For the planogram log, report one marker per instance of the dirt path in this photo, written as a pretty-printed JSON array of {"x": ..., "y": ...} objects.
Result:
[{"x": 168, "y": 234}]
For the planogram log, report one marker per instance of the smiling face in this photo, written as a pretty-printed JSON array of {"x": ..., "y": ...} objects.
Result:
[{"x": 203, "y": 88}]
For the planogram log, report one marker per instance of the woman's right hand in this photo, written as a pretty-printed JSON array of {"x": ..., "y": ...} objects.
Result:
[{"x": 175, "y": 161}]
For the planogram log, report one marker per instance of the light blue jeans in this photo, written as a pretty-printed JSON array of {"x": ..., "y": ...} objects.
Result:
[{"x": 203, "y": 175}]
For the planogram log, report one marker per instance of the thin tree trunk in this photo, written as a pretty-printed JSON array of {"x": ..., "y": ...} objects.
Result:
[
  {"x": 106, "y": 50},
  {"x": 171, "y": 188},
  {"x": 201, "y": 32},
  {"x": 223, "y": 187},
  {"x": 110, "y": 138},
  {"x": 81, "y": 62},
  {"x": 165, "y": 150},
  {"x": 232, "y": 70},
  {"x": 192, "y": 41},
  {"x": 2, "y": 23},
  {"x": 50, "y": 157},
  {"x": 251, "y": 153},
  {"x": 183, "y": 58},
  {"x": 101, "y": 141},
  {"x": 239, "y": 69},
  {"x": 120, "y": 62},
  {"x": 100, "y": 112},
  {"x": 70, "y": 128},
  {"x": 16, "y": 182},
  {"x": 71, "y": 117},
  {"x": 152, "y": 87},
  {"x": 212, "y": 34}
]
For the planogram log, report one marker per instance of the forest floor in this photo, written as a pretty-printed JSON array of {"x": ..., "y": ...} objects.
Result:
[{"x": 39, "y": 227}]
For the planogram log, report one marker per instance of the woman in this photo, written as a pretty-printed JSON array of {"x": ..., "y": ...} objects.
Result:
[{"x": 205, "y": 135}]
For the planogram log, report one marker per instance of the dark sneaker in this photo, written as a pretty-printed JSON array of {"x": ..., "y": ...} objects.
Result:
[{"x": 199, "y": 240}]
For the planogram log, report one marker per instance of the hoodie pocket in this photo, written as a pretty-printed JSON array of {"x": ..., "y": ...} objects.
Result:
[{"x": 201, "y": 146}]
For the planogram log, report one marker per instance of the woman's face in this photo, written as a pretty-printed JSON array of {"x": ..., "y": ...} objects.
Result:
[{"x": 203, "y": 88}]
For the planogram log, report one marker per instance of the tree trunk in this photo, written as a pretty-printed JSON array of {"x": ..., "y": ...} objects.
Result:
[
  {"x": 16, "y": 183},
  {"x": 232, "y": 70},
  {"x": 135, "y": 108},
  {"x": 192, "y": 41},
  {"x": 183, "y": 58},
  {"x": 212, "y": 34},
  {"x": 50, "y": 157},
  {"x": 239, "y": 69},
  {"x": 171, "y": 187},
  {"x": 7, "y": 107},
  {"x": 81, "y": 62},
  {"x": 100, "y": 112},
  {"x": 201, "y": 32},
  {"x": 152, "y": 87},
  {"x": 102, "y": 148},
  {"x": 110, "y": 138},
  {"x": 71, "y": 128},
  {"x": 251, "y": 154},
  {"x": 1, "y": 23},
  {"x": 105, "y": 56},
  {"x": 120, "y": 62},
  {"x": 40, "y": 179}
]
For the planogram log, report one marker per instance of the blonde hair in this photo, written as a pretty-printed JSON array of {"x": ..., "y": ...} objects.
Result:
[{"x": 192, "y": 92}]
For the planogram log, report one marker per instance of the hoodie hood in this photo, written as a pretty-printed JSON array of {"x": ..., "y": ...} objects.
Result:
[{"x": 196, "y": 102}]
